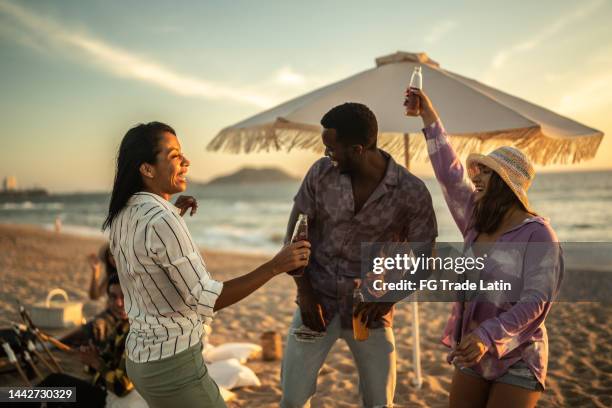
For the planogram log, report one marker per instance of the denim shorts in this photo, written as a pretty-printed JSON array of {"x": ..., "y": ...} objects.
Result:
[{"x": 518, "y": 374}]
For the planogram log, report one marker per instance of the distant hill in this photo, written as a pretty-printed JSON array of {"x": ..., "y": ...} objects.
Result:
[{"x": 248, "y": 175}]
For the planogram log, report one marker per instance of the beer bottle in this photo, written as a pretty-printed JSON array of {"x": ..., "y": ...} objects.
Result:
[
  {"x": 360, "y": 329},
  {"x": 300, "y": 233},
  {"x": 413, "y": 102}
]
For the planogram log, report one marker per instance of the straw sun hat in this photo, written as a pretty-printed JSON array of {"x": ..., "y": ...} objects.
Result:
[{"x": 511, "y": 165}]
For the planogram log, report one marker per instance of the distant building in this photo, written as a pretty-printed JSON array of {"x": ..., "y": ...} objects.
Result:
[{"x": 9, "y": 183}]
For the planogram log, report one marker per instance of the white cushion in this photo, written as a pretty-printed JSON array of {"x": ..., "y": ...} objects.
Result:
[
  {"x": 227, "y": 394},
  {"x": 240, "y": 351},
  {"x": 231, "y": 374},
  {"x": 131, "y": 400}
]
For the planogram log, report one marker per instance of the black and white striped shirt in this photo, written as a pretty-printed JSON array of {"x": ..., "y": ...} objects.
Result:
[{"x": 168, "y": 292}]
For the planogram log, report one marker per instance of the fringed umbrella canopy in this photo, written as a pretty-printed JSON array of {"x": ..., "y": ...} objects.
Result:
[{"x": 477, "y": 117}]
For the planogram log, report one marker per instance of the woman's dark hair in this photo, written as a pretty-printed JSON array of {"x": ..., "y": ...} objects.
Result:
[
  {"x": 354, "y": 123},
  {"x": 139, "y": 145},
  {"x": 112, "y": 280},
  {"x": 491, "y": 208}
]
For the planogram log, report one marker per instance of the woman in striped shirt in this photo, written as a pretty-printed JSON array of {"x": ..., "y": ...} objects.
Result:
[{"x": 170, "y": 294}]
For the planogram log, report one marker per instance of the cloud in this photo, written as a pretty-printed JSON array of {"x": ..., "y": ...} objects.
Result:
[
  {"x": 120, "y": 62},
  {"x": 287, "y": 76},
  {"x": 287, "y": 83},
  {"x": 591, "y": 94},
  {"x": 582, "y": 91},
  {"x": 439, "y": 31},
  {"x": 540, "y": 37}
]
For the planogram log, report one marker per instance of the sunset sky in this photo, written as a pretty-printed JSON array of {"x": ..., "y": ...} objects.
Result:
[{"x": 75, "y": 75}]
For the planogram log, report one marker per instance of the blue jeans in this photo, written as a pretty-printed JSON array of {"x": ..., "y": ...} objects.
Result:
[{"x": 374, "y": 357}]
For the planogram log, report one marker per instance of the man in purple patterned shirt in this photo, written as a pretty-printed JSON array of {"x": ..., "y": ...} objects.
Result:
[{"x": 356, "y": 194}]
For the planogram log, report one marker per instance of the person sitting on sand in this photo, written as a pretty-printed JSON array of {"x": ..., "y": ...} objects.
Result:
[
  {"x": 354, "y": 195},
  {"x": 107, "y": 362},
  {"x": 170, "y": 293},
  {"x": 100, "y": 327},
  {"x": 99, "y": 281},
  {"x": 500, "y": 350}
]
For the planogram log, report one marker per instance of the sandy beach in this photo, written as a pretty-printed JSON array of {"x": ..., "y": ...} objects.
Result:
[{"x": 34, "y": 261}]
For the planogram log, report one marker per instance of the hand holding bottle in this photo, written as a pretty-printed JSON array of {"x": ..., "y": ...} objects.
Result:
[
  {"x": 290, "y": 257},
  {"x": 426, "y": 110},
  {"x": 300, "y": 233}
]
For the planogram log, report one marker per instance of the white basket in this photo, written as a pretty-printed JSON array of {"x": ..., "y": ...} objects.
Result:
[{"x": 56, "y": 315}]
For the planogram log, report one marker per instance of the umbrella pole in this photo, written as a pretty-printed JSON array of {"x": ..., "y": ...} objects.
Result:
[
  {"x": 407, "y": 151},
  {"x": 416, "y": 335}
]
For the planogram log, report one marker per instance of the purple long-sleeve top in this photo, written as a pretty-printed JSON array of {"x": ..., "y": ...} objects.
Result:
[{"x": 512, "y": 331}]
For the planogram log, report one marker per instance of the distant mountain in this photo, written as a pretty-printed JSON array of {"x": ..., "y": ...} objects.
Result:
[{"x": 248, "y": 175}]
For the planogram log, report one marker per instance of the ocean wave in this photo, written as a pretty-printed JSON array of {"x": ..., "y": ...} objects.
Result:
[
  {"x": 230, "y": 236},
  {"x": 80, "y": 230},
  {"x": 230, "y": 230},
  {"x": 259, "y": 206},
  {"x": 28, "y": 206}
]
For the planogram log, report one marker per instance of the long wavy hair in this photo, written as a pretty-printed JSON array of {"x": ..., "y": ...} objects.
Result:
[
  {"x": 493, "y": 206},
  {"x": 139, "y": 145}
]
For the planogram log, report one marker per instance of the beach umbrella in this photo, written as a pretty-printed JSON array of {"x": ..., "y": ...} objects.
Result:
[{"x": 477, "y": 118}]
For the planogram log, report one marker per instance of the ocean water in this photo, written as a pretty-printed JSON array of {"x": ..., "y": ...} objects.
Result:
[{"x": 252, "y": 218}]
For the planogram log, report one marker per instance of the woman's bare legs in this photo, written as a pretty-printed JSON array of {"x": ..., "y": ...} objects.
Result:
[
  {"x": 507, "y": 395},
  {"x": 468, "y": 391}
]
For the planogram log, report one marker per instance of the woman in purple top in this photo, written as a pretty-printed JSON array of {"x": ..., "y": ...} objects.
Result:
[{"x": 499, "y": 349}]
